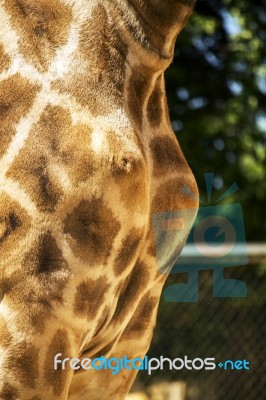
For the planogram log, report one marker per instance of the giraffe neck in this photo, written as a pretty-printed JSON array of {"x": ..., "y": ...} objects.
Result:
[{"x": 86, "y": 149}]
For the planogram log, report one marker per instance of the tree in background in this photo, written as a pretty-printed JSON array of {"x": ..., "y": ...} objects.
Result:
[{"x": 217, "y": 98}]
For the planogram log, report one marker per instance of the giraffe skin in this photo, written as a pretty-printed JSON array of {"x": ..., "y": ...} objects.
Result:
[{"x": 87, "y": 155}]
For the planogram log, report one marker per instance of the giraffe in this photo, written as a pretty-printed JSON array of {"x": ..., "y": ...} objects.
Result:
[{"x": 87, "y": 156}]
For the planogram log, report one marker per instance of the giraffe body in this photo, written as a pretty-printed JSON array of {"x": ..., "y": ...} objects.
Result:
[{"x": 87, "y": 156}]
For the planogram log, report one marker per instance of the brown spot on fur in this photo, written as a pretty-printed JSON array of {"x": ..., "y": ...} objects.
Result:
[
  {"x": 45, "y": 258},
  {"x": 130, "y": 291},
  {"x": 93, "y": 228},
  {"x": 166, "y": 155},
  {"x": 151, "y": 241},
  {"x": 128, "y": 250},
  {"x": 22, "y": 360},
  {"x": 90, "y": 295},
  {"x": 138, "y": 88},
  {"x": 64, "y": 144},
  {"x": 8, "y": 224},
  {"x": 142, "y": 319},
  {"x": 14, "y": 224},
  {"x": 16, "y": 98},
  {"x": 57, "y": 378},
  {"x": 8, "y": 393},
  {"x": 53, "y": 140},
  {"x": 4, "y": 60},
  {"x": 171, "y": 196},
  {"x": 50, "y": 143},
  {"x": 38, "y": 285},
  {"x": 48, "y": 195},
  {"x": 155, "y": 104},
  {"x": 102, "y": 55},
  {"x": 42, "y": 27},
  {"x": 52, "y": 128},
  {"x": 49, "y": 258},
  {"x": 77, "y": 143},
  {"x": 31, "y": 169}
]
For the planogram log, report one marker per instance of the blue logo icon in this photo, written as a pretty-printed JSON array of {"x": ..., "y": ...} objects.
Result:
[{"x": 215, "y": 242}]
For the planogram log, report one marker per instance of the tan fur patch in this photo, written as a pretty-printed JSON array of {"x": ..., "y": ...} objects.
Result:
[
  {"x": 99, "y": 84},
  {"x": 102, "y": 319},
  {"x": 105, "y": 49},
  {"x": 16, "y": 97},
  {"x": 135, "y": 193},
  {"x": 34, "y": 308},
  {"x": 4, "y": 59},
  {"x": 130, "y": 291},
  {"x": 57, "y": 378},
  {"x": 93, "y": 228},
  {"x": 23, "y": 362},
  {"x": 127, "y": 252},
  {"x": 105, "y": 351},
  {"x": 32, "y": 315},
  {"x": 42, "y": 27},
  {"x": 89, "y": 297},
  {"x": 129, "y": 173}
]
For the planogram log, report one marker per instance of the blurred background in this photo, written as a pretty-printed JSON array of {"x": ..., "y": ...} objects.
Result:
[{"x": 217, "y": 98}]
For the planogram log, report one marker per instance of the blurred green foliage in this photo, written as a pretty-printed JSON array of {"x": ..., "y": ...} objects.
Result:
[{"x": 217, "y": 98}]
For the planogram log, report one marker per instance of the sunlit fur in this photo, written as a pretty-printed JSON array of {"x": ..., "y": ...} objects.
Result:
[{"x": 87, "y": 156}]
